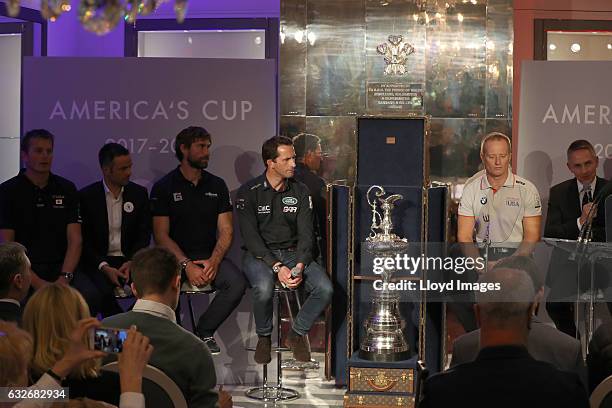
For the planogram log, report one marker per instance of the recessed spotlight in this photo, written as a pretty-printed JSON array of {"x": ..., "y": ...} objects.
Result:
[
  {"x": 610, "y": 46},
  {"x": 575, "y": 47},
  {"x": 552, "y": 47},
  {"x": 460, "y": 17}
]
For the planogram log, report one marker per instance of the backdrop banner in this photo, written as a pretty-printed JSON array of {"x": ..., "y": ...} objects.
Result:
[
  {"x": 142, "y": 103},
  {"x": 562, "y": 101}
]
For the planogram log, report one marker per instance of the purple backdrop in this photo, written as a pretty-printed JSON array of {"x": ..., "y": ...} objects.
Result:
[{"x": 143, "y": 103}]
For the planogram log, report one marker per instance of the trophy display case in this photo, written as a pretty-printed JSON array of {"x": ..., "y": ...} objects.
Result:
[{"x": 392, "y": 155}]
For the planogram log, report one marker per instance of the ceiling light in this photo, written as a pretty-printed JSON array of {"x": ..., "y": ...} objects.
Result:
[
  {"x": 575, "y": 47},
  {"x": 552, "y": 47}
]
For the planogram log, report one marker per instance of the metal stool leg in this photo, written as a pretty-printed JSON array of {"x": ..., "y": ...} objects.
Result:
[
  {"x": 293, "y": 364},
  {"x": 276, "y": 392},
  {"x": 191, "y": 313}
]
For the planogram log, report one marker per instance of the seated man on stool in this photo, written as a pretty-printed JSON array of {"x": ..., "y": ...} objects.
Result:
[
  {"x": 275, "y": 216},
  {"x": 116, "y": 224}
]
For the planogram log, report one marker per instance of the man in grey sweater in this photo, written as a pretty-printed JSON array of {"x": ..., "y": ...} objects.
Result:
[{"x": 178, "y": 353}]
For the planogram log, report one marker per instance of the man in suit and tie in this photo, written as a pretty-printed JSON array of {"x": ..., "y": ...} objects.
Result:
[
  {"x": 568, "y": 209},
  {"x": 544, "y": 342},
  {"x": 116, "y": 224},
  {"x": 15, "y": 280}
]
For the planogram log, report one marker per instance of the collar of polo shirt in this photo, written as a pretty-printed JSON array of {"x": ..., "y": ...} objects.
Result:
[{"x": 484, "y": 181}]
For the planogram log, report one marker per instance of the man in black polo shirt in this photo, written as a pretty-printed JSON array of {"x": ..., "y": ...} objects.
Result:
[
  {"x": 275, "y": 216},
  {"x": 192, "y": 217},
  {"x": 40, "y": 210}
]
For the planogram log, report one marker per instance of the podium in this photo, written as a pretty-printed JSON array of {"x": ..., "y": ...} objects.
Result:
[{"x": 585, "y": 258}]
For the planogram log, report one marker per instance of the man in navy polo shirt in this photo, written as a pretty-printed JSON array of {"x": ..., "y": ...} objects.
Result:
[
  {"x": 40, "y": 210},
  {"x": 192, "y": 217}
]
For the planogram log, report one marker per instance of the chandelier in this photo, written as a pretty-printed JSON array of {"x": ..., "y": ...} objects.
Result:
[{"x": 101, "y": 16}]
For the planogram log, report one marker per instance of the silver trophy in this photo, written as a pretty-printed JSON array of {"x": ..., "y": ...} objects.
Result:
[{"x": 384, "y": 339}]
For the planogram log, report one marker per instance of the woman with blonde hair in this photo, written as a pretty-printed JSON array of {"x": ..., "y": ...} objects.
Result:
[
  {"x": 51, "y": 316},
  {"x": 16, "y": 351}
]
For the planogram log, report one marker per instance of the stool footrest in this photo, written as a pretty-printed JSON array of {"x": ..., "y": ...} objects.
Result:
[
  {"x": 272, "y": 393},
  {"x": 273, "y": 349}
]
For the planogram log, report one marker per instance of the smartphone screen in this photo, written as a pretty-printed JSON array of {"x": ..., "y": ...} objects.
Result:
[{"x": 108, "y": 339}]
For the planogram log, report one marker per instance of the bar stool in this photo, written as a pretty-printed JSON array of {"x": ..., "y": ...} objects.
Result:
[
  {"x": 190, "y": 290},
  {"x": 275, "y": 392},
  {"x": 292, "y": 363}
]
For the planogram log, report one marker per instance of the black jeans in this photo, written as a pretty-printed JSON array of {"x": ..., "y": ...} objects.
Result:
[{"x": 230, "y": 285}]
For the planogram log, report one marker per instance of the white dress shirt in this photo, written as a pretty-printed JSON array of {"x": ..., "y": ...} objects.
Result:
[
  {"x": 154, "y": 308},
  {"x": 581, "y": 195},
  {"x": 114, "y": 210}
]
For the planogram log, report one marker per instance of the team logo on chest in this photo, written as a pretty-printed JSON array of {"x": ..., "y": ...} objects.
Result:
[
  {"x": 513, "y": 202},
  {"x": 483, "y": 200},
  {"x": 290, "y": 200},
  {"x": 177, "y": 197}
]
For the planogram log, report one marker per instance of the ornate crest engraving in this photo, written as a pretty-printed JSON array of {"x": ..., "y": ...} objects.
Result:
[{"x": 396, "y": 53}]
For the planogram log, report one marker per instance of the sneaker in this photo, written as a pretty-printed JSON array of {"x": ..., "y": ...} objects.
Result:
[
  {"x": 263, "y": 349},
  {"x": 297, "y": 344},
  {"x": 212, "y": 345}
]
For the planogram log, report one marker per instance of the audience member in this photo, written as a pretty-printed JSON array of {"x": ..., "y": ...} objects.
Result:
[
  {"x": 15, "y": 279},
  {"x": 544, "y": 342},
  {"x": 504, "y": 374},
  {"x": 156, "y": 280},
  {"x": 16, "y": 350},
  {"x": 116, "y": 224},
  {"x": 50, "y": 315},
  {"x": 599, "y": 359},
  {"x": 40, "y": 210}
]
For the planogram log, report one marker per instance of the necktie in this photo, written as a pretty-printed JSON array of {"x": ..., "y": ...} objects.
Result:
[{"x": 587, "y": 197}]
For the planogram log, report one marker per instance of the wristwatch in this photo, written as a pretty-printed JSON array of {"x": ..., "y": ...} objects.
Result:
[
  {"x": 184, "y": 263},
  {"x": 276, "y": 268},
  {"x": 68, "y": 276}
]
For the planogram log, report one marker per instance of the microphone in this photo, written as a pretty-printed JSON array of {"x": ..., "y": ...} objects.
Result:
[{"x": 587, "y": 227}]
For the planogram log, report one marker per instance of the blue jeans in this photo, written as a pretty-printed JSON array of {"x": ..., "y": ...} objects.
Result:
[{"x": 262, "y": 279}]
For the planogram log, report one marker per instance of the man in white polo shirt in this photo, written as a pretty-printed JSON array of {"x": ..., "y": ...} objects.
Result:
[{"x": 498, "y": 207}]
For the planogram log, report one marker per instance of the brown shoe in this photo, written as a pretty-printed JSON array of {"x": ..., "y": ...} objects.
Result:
[
  {"x": 262, "y": 352},
  {"x": 297, "y": 344}
]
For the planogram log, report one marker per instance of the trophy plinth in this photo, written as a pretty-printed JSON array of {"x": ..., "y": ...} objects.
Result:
[{"x": 384, "y": 339}]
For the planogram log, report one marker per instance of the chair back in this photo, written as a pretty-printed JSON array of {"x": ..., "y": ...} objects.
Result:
[
  {"x": 422, "y": 374},
  {"x": 158, "y": 389},
  {"x": 602, "y": 394}
]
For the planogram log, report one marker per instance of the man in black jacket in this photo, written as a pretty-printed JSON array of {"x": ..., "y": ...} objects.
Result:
[
  {"x": 15, "y": 279},
  {"x": 275, "y": 217},
  {"x": 308, "y": 156},
  {"x": 116, "y": 224},
  {"x": 504, "y": 374},
  {"x": 569, "y": 205}
]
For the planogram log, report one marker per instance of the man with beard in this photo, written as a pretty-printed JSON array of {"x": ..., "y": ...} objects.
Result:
[
  {"x": 192, "y": 217},
  {"x": 116, "y": 224}
]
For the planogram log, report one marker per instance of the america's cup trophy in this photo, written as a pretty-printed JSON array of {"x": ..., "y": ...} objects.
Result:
[{"x": 384, "y": 339}]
